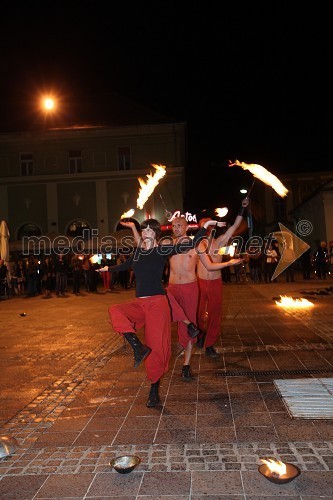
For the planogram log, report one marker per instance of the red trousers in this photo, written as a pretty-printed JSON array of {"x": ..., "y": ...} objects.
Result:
[
  {"x": 210, "y": 301},
  {"x": 154, "y": 314},
  {"x": 106, "y": 280},
  {"x": 185, "y": 295}
]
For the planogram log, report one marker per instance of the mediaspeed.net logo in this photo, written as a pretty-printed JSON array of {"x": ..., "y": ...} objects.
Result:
[{"x": 291, "y": 246}]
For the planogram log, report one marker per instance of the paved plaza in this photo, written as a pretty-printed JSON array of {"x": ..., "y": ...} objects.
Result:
[{"x": 71, "y": 398}]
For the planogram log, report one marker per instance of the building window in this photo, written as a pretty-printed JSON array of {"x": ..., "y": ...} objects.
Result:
[
  {"x": 26, "y": 162},
  {"x": 75, "y": 161},
  {"x": 124, "y": 158},
  {"x": 28, "y": 229},
  {"x": 79, "y": 228}
]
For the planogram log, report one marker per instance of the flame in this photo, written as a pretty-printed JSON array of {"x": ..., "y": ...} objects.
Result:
[
  {"x": 130, "y": 213},
  {"x": 264, "y": 175},
  {"x": 289, "y": 302},
  {"x": 221, "y": 212},
  {"x": 229, "y": 250},
  {"x": 93, "y": 259},
  {"x": 275, "y": 466},
  {"x": 147, "y": 187}
]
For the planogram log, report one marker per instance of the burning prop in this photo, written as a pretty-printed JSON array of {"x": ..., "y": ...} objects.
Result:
[
  {"x": 262, "y": 174},
  {"x": 278, "y": 472},
  {"x": 290, "y": 303},
  {"x": 221, "y": 212},
  {"x": 147, "y": 187},
  {"x": 94, "y": 259},
  {"x": 128, "y": 214}
]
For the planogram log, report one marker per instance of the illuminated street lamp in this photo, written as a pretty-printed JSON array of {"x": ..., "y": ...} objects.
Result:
[
  {"x": 48, "y": 106},
  {"x": 48, "y": 103}
]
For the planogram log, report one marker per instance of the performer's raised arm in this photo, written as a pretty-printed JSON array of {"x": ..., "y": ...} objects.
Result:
[
  {"x": 242, "y": 214},
  {"x": 136, "y": 234}
]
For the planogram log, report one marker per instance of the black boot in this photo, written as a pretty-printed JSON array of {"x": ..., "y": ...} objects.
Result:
[
  {"x": 187, "y": 374},
  {"x": 140, "y": 350},
  {"x": 211, "y": 352},
  {"x": 153, "y": 399},
  {"x": 201, "y": 340},
  {"x": 193, "y": 330}
]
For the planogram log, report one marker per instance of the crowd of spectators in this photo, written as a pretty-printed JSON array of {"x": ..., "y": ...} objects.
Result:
[
  {"x": 60, "y": 274},
  {"x": 261, "y": 264}
]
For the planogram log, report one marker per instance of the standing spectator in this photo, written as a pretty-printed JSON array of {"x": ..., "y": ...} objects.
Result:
[
  {"x": 123, "y": 276},
  {"x": 289, "y": 258},
  {"x": 270, "y": 263},
  {"x": 77, "y": 272},
  {"x": 12, "y": 265},
  {"x": 47, "y": 271},
  {"x": 20, "y": 274},
  {"x": 86, "y": 266},
  {"x": 3, "y": 278},
  {"x": 32, "y": 276},
  {"x": 321, "y": 260},
  {"x": 275, "y": 260},
  {"x": 113, "y": 279},
  {"x": 254, "y": 256},
  {"x": 106, "y": 276},
  {"x": 61, "y": 269},
  {"x": 330, "y": 258},
  {"x": 306, "y": 264}
]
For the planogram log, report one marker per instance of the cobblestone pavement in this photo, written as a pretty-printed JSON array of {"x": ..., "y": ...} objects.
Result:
[{"x": 71, "y": 398}]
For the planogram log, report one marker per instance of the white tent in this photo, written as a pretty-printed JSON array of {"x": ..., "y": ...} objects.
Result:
[{"x": 4, "y": 241}]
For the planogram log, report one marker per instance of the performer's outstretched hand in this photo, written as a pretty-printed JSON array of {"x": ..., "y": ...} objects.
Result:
[
  {"x": 102, "y": 269},
  {"x": 234, "y": 262},
  {"x": 128, "y": 224},
  {"x": 214, "y": 223}
]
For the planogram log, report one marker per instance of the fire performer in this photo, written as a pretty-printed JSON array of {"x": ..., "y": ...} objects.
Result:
[
  {"x": 210, "y": 284},
  {"x": 183, "y": 288},
  {"x": 184, "y": 301},
  {"x": 150, "y": 308}
]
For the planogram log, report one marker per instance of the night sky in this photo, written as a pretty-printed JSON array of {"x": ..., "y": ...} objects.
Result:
[{"x": 253, "y": 80}]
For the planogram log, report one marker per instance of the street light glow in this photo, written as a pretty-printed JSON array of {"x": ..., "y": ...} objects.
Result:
[
  {"x": 48, "y": 103},
  {"x": 243, "y": 191}
]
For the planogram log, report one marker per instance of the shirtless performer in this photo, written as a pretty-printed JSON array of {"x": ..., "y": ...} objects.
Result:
[
  {"x": 183, "y": 286},
  {"x": 210, "y": 284}
]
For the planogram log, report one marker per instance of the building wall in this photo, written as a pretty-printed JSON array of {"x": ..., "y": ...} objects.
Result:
[
  {"x": 149, "y": 144},
  {"x": 300, "y": 187},
  {"x": 52, "y": 198}
]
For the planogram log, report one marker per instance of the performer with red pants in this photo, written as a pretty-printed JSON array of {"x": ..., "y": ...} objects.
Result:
[
  {"x": 185, "y": 297},
  {"x": 150, "y": 308},
  {"x": 183, "y": 282},
  {"x": 210, "y": 308},
  {"x": 210, "y": 282}
]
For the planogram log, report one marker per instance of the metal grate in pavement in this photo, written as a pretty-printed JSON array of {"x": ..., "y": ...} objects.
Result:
[
  {"x": 272, "y": 372},
  {"x": 307, "y": 398}
]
